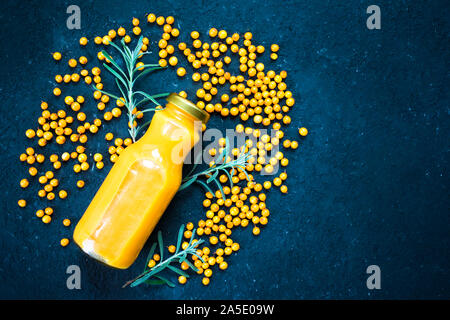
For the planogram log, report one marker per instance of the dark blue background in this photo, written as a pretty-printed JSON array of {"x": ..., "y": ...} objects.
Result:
[{"x": 369, "y": 185}]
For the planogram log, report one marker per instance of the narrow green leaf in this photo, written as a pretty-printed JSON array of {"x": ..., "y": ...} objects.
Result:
[
  {"x": 213, "y": 176},
  {"x": 167, "y": 281},
  {"x": 220, "y": 187},
  {"x": 107, "y": 93},
  {"x": 161, "y": 245},
  {"x": 191, "y": 265},
  {"x": 187, "y": 183},
  {"x": 204, "y": 185},
  {"x": 178, "y": 270},
  {"x": 144, "y": 72},
  {"x": 150, "y": 255},
  {"x": 144, "y": 278},
  {"x": 180, "y": 237},
  {"x": 118, "y": 76},
  {"x": 155, "y": 282},
  {"x": 114, "y": 63},
  {"x": 230, "y": 176}
]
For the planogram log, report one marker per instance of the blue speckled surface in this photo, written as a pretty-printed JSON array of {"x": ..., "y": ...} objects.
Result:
[{"x": 370, "y": 184}]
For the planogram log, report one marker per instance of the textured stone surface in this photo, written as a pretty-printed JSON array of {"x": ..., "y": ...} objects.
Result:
[{"x": 369, "y": 185}]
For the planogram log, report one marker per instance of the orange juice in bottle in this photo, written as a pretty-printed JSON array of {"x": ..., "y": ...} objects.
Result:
[{"x": 140, "y": 185}]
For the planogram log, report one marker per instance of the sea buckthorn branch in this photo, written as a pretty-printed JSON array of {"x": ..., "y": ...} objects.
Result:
[
  {"x": 151, "y": 274},
  {"x": 223, "y": 164},
  {"x": 126, "y": 79}
]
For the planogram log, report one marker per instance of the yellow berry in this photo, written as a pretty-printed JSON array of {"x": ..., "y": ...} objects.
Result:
[
  {"x": 40, "y": 213},
  {"x": 57, "y": 56},
  {"x": 303, "y": 131},
  {"x": 182, "y": 279},
  {"x": 181, "y": 72},
  {"x": 173, "y": 61},
  {"x": 46, "y": 219},
  {"x": 24, "y": 183},
  {"x": 64, "y": 242}
]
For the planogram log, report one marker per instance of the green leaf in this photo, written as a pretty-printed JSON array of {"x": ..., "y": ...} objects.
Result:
[
  {"x": 144, "y": 72},
  {"x": 149, "y": 97},
  {"x": 144, "y": 278},
  {"x": 178, "y": 270},
  {"x": 125, "y": 100},
  {"x": 155, "y": 282},
  {"x": 167, "y": 281},
  {"x": 191, "y": 265},
  {"x": 187, "y": 183},
  {"x": 107, "y": 93},
  {"x": 122, "y": 52},
  {"x": 116, "y": 75},
  {"x": 204, "y": 185},
  {"x": 220, "y": 188},
  {"x": 213, "y": 176},
  {"x": 180, "y": 237},
  {"x": 150, "y": 255},
  {"x": 230, "y": 176},
  {"x": 161, "y": 246},
  {"x": 114, "y": 63},
  {"x": 142, "y": 126},
  {"x": 137, "y": 48}
]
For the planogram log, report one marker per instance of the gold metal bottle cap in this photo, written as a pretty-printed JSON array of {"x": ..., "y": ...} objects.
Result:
[{"x": 188, "y": 106}]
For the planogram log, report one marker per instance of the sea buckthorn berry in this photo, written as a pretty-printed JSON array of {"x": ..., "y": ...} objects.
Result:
[
  {"x": 195, "y": 35},
  {"x": 83, "y": 41},
  {"x": 22, "y": 203},
  {"x": 182, "y": 279},
  {"x": 173, "y": 61},
  {"x": 184, "y": 265},
  {"x": 163, "y": 62},
  {"x": 205, "y": 281},
  {"x": 284, "y": 189},
  {"x": 284, "y": 162},
  {"x": 57, "y": 56},
  {"x": 32, "y": 171},
  {"x": 151, "y": 263},
  {"x": 303, "y": 131},
  {"x": 181, "y": 72},
  {"x": 222, "y": 34},
  {"x": 24, "y": 183},
  {"x": 64, "y": 242},
  {"x": 137, "y": 31},
  {"x": 40, "y": 213},
  {"x": 46, "y": 219},
  {"x": 66, "y": 222},
  {"x": 72, "y": 63},
  {"x": 151, "y": 18},
  {"x": 80, "y": 184},
  {"x": 84, "y": 167},
  {"x": 30, "y": 133},
  {"x": 213, "y": 32},
  {"x": 175, "y": 32},
  {"x": 160, "y": 20}
]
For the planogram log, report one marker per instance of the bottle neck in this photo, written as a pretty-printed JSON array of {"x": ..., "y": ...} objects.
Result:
[{"x": 175, "y": 130}]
